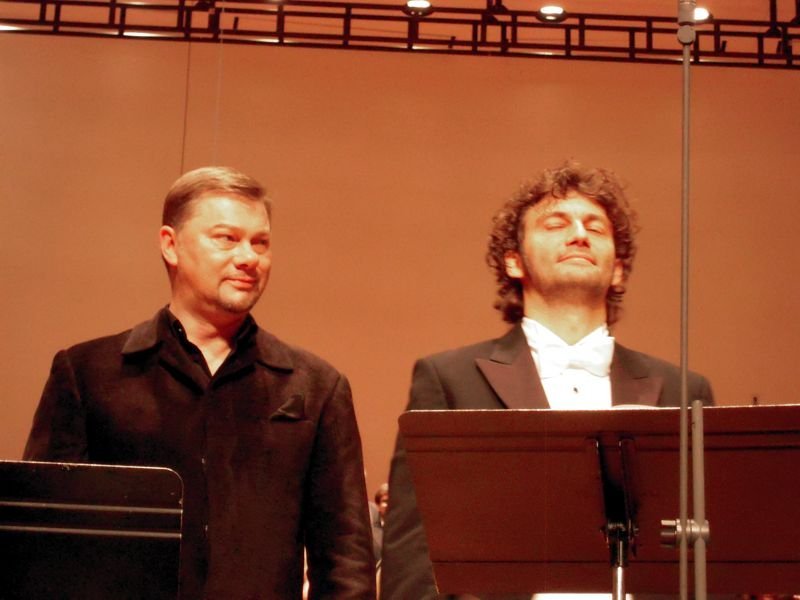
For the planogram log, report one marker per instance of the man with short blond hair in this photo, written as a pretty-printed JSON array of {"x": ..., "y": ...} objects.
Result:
[{"x": 263, "y": 433}]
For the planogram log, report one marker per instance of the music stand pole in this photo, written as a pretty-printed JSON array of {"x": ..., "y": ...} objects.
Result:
[
  {"x": 695, "y": 530},
  {"x": 686, "y": 36},
  {"x": 700, "y": 531}
]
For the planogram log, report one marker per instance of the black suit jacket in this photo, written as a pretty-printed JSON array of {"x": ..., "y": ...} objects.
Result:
[
  {"x": 494, "y": 374},
  {"x": 269, "y": 453}
]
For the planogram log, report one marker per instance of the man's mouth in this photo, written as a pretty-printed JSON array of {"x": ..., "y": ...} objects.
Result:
[
  {"x": 585, "y": 257},
  {"x": 242, "y": 282}
]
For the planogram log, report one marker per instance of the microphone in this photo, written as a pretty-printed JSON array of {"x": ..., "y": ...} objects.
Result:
[{"x": 686, "y": 21}]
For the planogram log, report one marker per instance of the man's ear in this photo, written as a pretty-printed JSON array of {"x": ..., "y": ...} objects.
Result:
[
  {"x": 514, "y": 266},
  {"x": 167, "y": 237},
  {"x": 618, "y": 274}
]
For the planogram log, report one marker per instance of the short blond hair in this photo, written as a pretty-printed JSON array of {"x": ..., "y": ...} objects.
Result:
[{"x": 194, "y": 184}]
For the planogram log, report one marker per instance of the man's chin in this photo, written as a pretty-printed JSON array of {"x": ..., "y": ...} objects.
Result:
[
  {"x": 239, "y": 306},
  {"x": 581, "y": 286}
]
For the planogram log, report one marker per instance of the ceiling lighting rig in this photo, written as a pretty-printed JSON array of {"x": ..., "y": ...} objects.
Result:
[{"x": 551, "y": 31}]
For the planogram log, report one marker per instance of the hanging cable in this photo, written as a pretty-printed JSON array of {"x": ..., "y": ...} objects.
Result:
[{"x": 186, "y": 107}]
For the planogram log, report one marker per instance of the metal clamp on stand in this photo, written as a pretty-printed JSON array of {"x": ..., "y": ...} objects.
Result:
[{"x": 671, "y": 532}]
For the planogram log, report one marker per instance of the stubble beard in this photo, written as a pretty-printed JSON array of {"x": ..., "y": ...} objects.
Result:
[
  {"x": 240, "y": 305},
  {"x": 588, "y": 292},
  {"x": 570, "y": 287}
]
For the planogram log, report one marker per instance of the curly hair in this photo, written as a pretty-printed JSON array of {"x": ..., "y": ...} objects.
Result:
[{"x": 507, "y": 232}]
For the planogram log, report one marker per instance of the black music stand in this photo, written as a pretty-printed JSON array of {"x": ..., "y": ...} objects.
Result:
[
  {"x": 89, "y": 532},
  {"x": 520, "y": 501}
]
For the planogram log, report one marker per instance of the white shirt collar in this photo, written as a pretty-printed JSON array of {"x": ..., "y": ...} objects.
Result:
[{"x": 539, "y": 336}]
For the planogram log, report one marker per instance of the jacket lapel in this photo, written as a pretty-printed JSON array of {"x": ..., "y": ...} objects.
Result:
[
  {"x": 511, "y": 372},
  {"x": 631, "y": 380},
  {"x": 151, "y": 336}
]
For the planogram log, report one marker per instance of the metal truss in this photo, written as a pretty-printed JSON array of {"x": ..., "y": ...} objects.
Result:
[{"x": 494, "y": 30}]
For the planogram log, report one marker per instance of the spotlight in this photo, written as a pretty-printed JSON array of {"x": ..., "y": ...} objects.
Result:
[
  {"x": 702, "y": 15},
  {"x": 551, "y": 13},
  {"x": 418, "y": 8}
]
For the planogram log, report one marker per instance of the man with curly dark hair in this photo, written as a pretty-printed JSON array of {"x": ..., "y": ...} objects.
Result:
[
  {"x": 598, "y": 186},
  {"x": 561, "y": 251}
]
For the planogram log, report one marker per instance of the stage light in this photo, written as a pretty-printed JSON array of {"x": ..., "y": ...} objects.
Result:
[
  {"x": 701, "y": 14},
  {"x": 144, "y": 34},
  {"x": 418, "y": 8},
  {"x": 551, "y": 13}
]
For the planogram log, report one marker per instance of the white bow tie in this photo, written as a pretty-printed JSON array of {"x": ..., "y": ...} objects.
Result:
[{"x": 593, "y": 357}]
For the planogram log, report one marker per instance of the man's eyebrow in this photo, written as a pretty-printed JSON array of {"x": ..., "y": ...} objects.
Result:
[
  {"x": 553, "y": 213},
  {"x": 224, "y": 225},
  {"x": 585, "y": 216}
]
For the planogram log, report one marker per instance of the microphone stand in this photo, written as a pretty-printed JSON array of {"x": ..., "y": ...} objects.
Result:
[{"x": 687, "y": 530}]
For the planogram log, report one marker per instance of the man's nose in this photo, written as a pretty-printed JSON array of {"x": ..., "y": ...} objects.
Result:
[
  {"x": 578, "y": 233},
  {"x": 245, "y": 255}
]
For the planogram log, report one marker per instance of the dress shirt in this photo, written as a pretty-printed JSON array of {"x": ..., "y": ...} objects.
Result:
[
  {"x": 569, "y": 388},
  {"x": 567, "y": 385}
]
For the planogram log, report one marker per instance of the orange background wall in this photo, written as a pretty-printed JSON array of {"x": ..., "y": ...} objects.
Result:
[{"x": 385, "y": 169}]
